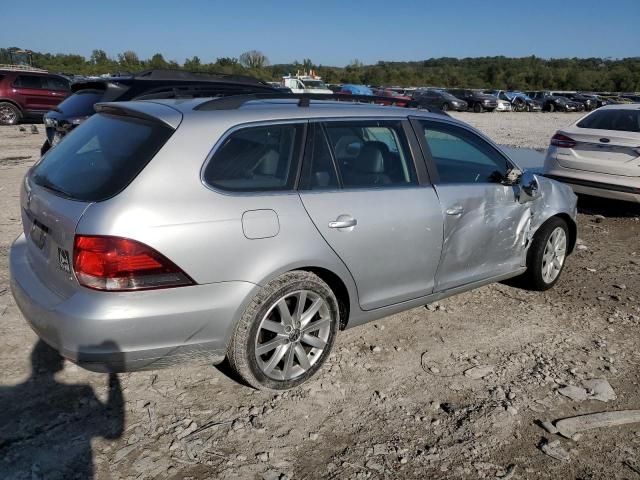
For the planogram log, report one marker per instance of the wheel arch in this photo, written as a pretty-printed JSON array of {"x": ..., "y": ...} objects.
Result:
[
  {"x": 338, "y": 287},
  {"x": 573, "y": 229},
  {"x": 571, "y": 224},
  {"x": 14, "y": 103}
]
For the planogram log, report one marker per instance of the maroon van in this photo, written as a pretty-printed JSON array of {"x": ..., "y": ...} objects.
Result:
[{"x": 29, "y": 94}]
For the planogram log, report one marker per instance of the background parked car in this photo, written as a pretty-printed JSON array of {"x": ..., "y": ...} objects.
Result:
[
  {"x": 436, "y": 99},
  {"x": 589, "y": 103},
  {"x": 551, "y": 103},
  {"x": 394, "y": 97},
  {"x": 600, "y": 101},
  {"x": 350, "y": 89},
  {"x": 520, "y": 102},
  {"x": 79, "y": 106},
  {"x": 599, "y": 154},
  {"x": 27, "y": 94},
  {"x": 475, "y": 99}
]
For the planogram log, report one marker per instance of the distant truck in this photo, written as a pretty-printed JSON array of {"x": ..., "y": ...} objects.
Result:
[{"x": 305, "y": 83}]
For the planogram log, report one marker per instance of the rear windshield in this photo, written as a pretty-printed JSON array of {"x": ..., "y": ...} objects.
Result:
[
  {"x": 80, "y": 104},
  {"x": 100, "y": 157},
  {"x": 623, "y": 119}
]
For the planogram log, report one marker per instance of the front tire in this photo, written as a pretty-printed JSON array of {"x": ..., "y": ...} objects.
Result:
[
  {"x": 552, "y": 107},
  {"x": 9, "y": 114},
  {"x": 547, "y": 255},
  {"x": 477, "y": 108},
  {"x": 445, "y": 107},
  {"x": 286, "y": 332}
]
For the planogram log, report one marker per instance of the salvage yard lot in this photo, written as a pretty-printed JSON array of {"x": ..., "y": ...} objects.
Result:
[{"x": 393, "y": 401}]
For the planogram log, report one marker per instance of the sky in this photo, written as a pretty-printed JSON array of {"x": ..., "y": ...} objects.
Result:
[{"x": 329, "y": 32}]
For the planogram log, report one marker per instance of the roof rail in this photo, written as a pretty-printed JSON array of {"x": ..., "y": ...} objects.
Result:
[
  {"x": 166, "y": 74},
  {"x": 234, "y": 102},
  {"x": 202, "y": 90}
]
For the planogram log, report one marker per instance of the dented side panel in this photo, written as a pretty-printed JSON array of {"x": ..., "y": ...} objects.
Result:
[
  {"x": 487, "y": 231},
  {"x": 487, "y": 238}
]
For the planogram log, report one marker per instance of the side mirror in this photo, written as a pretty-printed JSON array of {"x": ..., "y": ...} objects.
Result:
[{"x": 529, "y": 188}]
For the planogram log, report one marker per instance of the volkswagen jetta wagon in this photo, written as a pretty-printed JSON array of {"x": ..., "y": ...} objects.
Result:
[{"x": 254, "y": 229}]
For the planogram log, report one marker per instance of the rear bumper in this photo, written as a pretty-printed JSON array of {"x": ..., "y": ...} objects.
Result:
[
  {"x": 124, "y": 331},
  {"x": 598, "y": 188}
]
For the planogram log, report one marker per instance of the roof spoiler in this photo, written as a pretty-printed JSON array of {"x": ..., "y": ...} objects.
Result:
[{"x": 149, "y": 111}]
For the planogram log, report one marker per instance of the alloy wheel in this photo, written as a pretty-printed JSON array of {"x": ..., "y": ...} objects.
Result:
[
  {"x": 292, "y": 335},
  {"x": 8, "y": 114},
  {"x": 555, "y": 252}
]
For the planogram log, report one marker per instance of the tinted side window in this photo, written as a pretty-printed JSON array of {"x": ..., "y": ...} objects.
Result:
[
  {"x": 371, "y": 154},
  {"x": 29, "y": 81},
  {"x": 462, "y": 156},
  {"x": 319, "y": 171},
  {"x": 622, "y": 120},
  {"x": 256, "y": 159},
  {"x": 55, "y": 83}
]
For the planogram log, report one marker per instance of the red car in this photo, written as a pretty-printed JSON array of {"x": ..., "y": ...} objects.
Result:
[
  {"x": 28, "y": 94},
  {"x": 394, "y": 97}
]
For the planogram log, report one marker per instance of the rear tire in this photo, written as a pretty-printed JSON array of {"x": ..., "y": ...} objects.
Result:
[
  {"x": 9, "y": 114},
  {"x": 551, "y": 107},
  {"x": 286, "y": 333},
  {"x": 547, "y": 255},
  {"x": 477, "y": 108},
  {"x": 445, "y": 107}
]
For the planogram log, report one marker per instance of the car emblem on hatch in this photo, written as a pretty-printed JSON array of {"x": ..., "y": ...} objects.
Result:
[{"x": 63, "y": 260}]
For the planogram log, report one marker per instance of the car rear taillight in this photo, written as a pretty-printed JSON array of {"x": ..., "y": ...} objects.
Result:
[
  {"x": 560, "y": 140},
  {"x": 117, "y": 264}
]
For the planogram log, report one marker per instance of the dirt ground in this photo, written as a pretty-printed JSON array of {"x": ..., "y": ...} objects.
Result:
[{"x": 404, "y": 410}]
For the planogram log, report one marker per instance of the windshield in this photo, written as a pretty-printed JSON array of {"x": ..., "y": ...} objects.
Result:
[
  {"x": 100, "y": 157},
  {"x": 314, "y": 84}
]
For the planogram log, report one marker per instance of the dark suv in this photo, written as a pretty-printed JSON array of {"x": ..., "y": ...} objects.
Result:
[
  {"x": 27, "y": 94},
  {"x": 145, "y": 85},
  {"x": 475, "y": 99},
  {"x": 436, "y": 99}
]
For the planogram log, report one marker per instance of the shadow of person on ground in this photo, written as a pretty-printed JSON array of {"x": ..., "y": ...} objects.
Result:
[{"x": 46, "y": 427}]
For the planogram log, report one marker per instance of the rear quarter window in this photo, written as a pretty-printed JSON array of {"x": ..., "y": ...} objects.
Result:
[
  {"x": 101, "y": 157},
  {"x": 625, "y": 120},
  {"x": 256, "y": 159}
]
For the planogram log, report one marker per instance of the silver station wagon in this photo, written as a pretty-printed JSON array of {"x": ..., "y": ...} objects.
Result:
[{"x": 254, "y": 229}]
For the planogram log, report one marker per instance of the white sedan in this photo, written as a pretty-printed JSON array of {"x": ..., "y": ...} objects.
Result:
[
  {"x": 599, "y": 154},
  {"x": 504, "y": 106}
]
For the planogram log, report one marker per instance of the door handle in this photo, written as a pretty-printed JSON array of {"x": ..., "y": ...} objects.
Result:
[
  {"x": 346, "y": 223},
  {"x": 455, "y": 210}
]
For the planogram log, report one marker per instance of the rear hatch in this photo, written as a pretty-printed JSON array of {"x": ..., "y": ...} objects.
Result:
[
  {"x": 614, "y": 149},
  {"x": 97, "y": 161}
]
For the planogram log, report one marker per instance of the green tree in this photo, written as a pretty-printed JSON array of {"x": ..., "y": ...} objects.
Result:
[{"x": 254, "y": 59}]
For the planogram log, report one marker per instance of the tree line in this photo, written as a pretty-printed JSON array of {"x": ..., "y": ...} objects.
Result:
[{"x": 526, "y": 73}]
